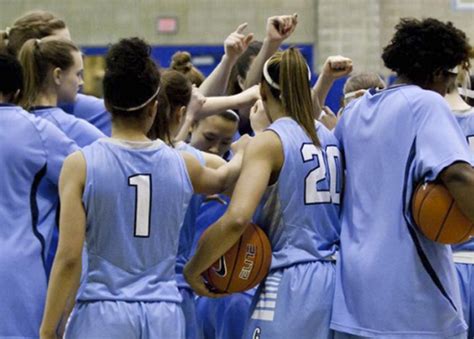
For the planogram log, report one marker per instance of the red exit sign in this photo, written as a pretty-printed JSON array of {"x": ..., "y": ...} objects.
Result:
[{"x": 167, "y": 25}]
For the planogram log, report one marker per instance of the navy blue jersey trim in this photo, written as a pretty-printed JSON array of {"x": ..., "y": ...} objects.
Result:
[
  {"x": 423, "y": 257},
  {"x": 35, "y": 214}
]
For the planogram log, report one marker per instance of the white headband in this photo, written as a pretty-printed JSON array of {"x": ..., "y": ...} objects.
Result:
[
  {"x": 140, "y": 106},
  {"x": 269, "y": 79},
  {"x": 454, "y": 70},
  {"x": 233, "y": 113}
]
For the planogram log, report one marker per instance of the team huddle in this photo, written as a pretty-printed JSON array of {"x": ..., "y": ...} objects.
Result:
[{"x": 112, "y": 209}]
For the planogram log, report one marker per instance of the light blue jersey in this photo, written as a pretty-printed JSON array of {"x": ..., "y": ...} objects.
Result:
[
  {"x": 186, "y": 238},
  {"x": 132, "y": 240},
  {"x": 91, "y": 109},
  {"x": 300, "y": 215},
  {"x": 32, "y": 152},
  {"x": 466, "y": 121},
  {"x": 391, "y": 280},
  {"x": 82, "y": 132},
  {"x": 464, "y": 253}
]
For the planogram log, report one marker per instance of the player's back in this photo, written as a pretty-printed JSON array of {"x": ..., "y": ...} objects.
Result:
[
  {"x": 31, "y": 153},
  {"x": 79, "y": 130},
  {"x": 300, "y": 212},
  {"x": 136, "y": 195},
  {"x": 392, "y": 140}
]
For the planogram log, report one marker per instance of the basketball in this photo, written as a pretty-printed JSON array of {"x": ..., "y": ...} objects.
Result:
[
  {"x": 439, "y": 218},
  {"x": 244, "y": 265}
]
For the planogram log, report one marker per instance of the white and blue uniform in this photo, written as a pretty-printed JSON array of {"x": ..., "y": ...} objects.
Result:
[
  {"x": 220, "y": 318},
  {"x": 79, "y": 130},
  {"x": 32, "y": 151},
  {"x": 186, "y": 239},
  {"x": 464, "y": 253},
  {"x": 83, "y": 134},
  {"x": 91, "y": 109},
  {"x": 391, "y": 280},
  {"x": 136, "y": 195},
  {"x": 300, "y": 215}
]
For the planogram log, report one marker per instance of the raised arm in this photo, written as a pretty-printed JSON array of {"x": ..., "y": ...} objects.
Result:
[
  {"x": 334, "y": 68},
  {"x": 263, "y": 157},
  {"x": 234, "y": 45},
  {"x": 66, "y": 272},
  {"x": 278, "y": 29}
]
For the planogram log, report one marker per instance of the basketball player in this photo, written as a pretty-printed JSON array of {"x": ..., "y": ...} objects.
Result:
[
  {"x": 39, "y": 24},
  {"x": 463, "y": 254},
  {"x": 32, "y": 151},
  {"x": 392, "y": 282},
  {"x": 53, "y": 73},
  {"x": 132, "y": 194},
  {"x": 294, "y": 168}
]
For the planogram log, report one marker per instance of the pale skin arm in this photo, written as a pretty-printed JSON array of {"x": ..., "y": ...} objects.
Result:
[
  {"x": 66, "y": 272},
  {"x": 459, "y": 179},
  {"x": 215, "y": 105},
  {"x": 234, "y": 45},
  {"x": 334, "y": 68},
  {"x": 278, "y": 29},
  {"x": 206, "y": 180},
  {"x": 263, "y": 157}
]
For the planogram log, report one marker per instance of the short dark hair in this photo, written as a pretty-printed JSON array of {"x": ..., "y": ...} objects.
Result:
[
  {"x": 12, "y": 75},
  {"x": 131, "y": 77},
  {"x": 421, "y": 48}
]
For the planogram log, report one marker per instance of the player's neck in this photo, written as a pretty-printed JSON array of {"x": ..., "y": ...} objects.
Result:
[
  {"x": 125, "y": 130},
  {"x": 46, "y": 99}
]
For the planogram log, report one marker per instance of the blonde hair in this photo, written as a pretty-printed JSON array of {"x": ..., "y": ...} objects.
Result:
[
  {"x": 290, "y": 72},
  {"x": 38, "y": 57}
]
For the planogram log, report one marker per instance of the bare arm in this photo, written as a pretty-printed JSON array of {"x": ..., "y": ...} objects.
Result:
[
  {"x": 65, "y": 275},
  {"x": 215, "y": 105},
  {"x": 459, "y": 179},
  {"x": 207, "y": 180},
  {"x": 278, "y": 29},
  {"x": 334, "y": 68},
  {"x": 234, "y": 45},
  {"x": 263, "y": 157}
]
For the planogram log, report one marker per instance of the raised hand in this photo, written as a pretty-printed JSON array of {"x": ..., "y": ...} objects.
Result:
[
  {"x": 195, "y": 104},
  {"x": 337, "y": 66},
  {"x": 237, "y": 42},
  {"x": 281, "y": 27}
]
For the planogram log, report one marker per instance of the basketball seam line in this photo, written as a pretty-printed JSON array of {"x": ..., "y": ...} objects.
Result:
[
  {"x": 422, "y": 201},
  {"x": 444, "y": 220},
  {"x": 235, "y": 264}
]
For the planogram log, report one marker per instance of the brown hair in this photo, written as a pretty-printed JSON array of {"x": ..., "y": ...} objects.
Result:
[
  {"x": 32, "y": 25},
  {"x": 37, "y": 58},
  {"x": 289, "y": 70},
  {"x": 181, "y": 62},
  {"x": 242, "y": 66},
  {"x": 363, "y": 80},
  {"x": 175, "y": 92}
]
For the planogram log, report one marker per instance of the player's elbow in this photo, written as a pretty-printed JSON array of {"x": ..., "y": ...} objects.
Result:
[{"x": 68, "y": 261}]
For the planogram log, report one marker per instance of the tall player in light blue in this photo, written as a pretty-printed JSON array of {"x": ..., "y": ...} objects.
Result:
[
  {"x": 293, "y": 171},
  {"x": 32, "y": 151},
  {"x": 463, "y": 254},
  {"x": 392, "y": 282},
  {"x": 126, "y": 196}
]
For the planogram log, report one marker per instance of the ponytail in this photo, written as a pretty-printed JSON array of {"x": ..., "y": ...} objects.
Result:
[
  {"x": 3, "y": 41},
  {"x": 293, "y": 88},
  {"x": 38, "y": 57}
]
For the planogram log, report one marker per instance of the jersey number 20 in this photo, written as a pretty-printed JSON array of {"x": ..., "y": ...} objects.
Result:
[
  {"x": 142, "y": 183},
  {"x": 311, "y": 192}
]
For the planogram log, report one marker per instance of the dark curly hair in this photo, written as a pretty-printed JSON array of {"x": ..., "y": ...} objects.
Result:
[
  {"x": 131, "y": 77},
  {"x": 420, "y": 49}
]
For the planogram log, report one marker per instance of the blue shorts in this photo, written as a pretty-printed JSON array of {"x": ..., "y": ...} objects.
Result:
[
  {"x": 224, "y": 318},
  {"x": 189, "y": 309},
  {"x": 127, "y": 320},
  {"x": 466, "y": 287},
  {"x": 294, "y": 302},
  {"x": 340, "y": 335}
]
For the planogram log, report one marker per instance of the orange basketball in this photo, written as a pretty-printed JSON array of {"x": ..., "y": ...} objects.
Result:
[
  {"x": 439, "y": 218},
  {"x": 244, "y": 265}
]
